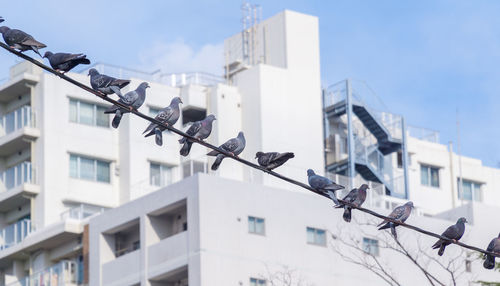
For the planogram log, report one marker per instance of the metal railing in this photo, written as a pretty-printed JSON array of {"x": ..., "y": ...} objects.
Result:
[
  {"x": 14, "y": 233},
  {"x": 60, "y": 274},
  {"x": 423, "y": 134},
  {"x": 81, "y": 211},
  {"x": 17, "y": 119},
  {"x": 15, "y": 176},
  {"x": 171, "y": 79}
]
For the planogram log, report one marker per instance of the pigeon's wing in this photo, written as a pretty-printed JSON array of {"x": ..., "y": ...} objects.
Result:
[
  {"x": 18, "y": 36},
  {"x": 65, "y": 57},
  {"x": 397, "y": 213},
  {"x": 194, "y": 128},
  {"x": 165, "y": 114},
  {"x": 351, "y": 196},
  {"x": 130, "y": 97},
  {"x": 451, "y": 232},
  {"x": 318, "y": 182},
  {"x": 231, "y": 145},
  {"x": 493, "y": 243},
  {"x": 102, "y": 80}
]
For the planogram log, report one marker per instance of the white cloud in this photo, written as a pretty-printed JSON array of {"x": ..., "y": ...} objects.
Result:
[{"x": 178, "y": 56}]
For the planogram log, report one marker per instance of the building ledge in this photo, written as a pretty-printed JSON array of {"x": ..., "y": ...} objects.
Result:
[
  {"x": 18, "y": 196},
  {"x": 17, "y": 86},
  {"x": 18, "y": 140}
]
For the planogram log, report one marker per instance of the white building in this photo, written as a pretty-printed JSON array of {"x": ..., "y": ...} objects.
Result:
[{"x": 61, "y": 163}]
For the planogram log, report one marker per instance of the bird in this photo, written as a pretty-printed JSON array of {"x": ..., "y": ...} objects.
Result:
[
  {"x": 323, "y": 185},
  {"x": 64, "y": 62},
  {"x": 1, "y": 19},
  {"x": 168, "y": 116},
  {"x": 134, "y": 99},
  {"x": 106, "y": 84},
  {"x": 400, "y": 214},
  {"x": 234, "y": 146},
  {"x": 494, "y": 246},
  {"x": 20, "y": 40},
  {"x": 454, "y": 233},
  {"x": 200, "y": 129},
  {"x": 355, "y": 197},
  {"x": 272, "y": 160}
]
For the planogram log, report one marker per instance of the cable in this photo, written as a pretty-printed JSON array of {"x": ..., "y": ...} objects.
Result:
[{"x": 248, "y": 163}]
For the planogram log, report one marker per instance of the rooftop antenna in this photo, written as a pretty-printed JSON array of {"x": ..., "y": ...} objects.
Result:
[
  {"x": 251, "y": 15},
  {"x": 460, "y": 180}
]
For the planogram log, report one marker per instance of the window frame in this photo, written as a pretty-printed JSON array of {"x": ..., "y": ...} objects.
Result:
[
  {"x": 257, "y": 282},
  {"x": 255, "y": 221},
  {"x": 316, "y": 235},
  {"x": 371, "y": 242},
  {"x": 162, "y": 166},
  {"x": 78, "y": 174},
  {"x": 95, "y": 107},
  {"x": 473, "y": 190},
  {"x": 429, "y": 172}
]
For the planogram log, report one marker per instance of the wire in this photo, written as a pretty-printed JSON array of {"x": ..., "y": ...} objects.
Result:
[{"x": 243, "y": 161}]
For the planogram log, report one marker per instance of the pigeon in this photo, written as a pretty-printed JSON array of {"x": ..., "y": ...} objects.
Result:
[
  {"x": 64, "y": 62},
  {"x": 199, "y": 129},
  {"x": 494, "y": 246},
  {"x": 168, "y": 116},
  {"x": 356, "y": 197},
  {"x": 323, "y": 185},
  {"x": 106, "y": 84},
  {"x": 20, "y": 40},
  {"x": 234, "y": 146},
  {"x": 1, "y": 19},
  {"x": 401, "y": 214},
  {"x": 453, "y": 232},
  {"x": 272, "y": 160},
  {"x": 134, "y": 99}
]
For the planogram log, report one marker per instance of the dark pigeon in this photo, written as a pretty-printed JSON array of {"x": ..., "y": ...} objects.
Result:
[
  {"x": 106, "y": 84},
  {"x": 234, "y": 146},
  {"x": 401, "y": 214},
  {"x": 454, "y": 232},
  {"x": 199, "y": 129},
  {"x": 20, "y": 40},
  {"x": 64, "y": 62},
  {"x": 273, "y": 160},
  {"x": 494, "y": 246},
  {"x": 134, "y": 99},
  {"x": 323, "y": 185},
  {"x": 168, "y": 116},
  {"x": 356, "y": 197}
]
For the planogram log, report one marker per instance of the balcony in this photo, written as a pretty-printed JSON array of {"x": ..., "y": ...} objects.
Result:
[
  {"x": 21, "y": 76},
  {"x": 17, "y": 130},
  {"x": 81, "y": 212},
  {"x": 17, "y": 185},
  {"x": 61, "y": 274},
  {"x": 14, "y": 233}
]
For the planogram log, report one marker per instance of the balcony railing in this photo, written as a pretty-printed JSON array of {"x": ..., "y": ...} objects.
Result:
[
  {"x": 17, "y": 119},
  {"x": 14, "y": 233},
  {"x": 81, "y": 212},
  {"x": 16, "y": 176},
  {"x": 62, "y": 273}
]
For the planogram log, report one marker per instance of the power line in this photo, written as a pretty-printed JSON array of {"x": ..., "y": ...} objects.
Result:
[{"x": 243, "y": 161}]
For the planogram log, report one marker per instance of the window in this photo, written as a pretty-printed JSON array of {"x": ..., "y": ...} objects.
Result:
[
  {"x": 470, "y": 191},
  {"x": 256, "y": 225},
  {"x": 87, "y": 113},
  {"x": 429, "y": 176},
  {"x": 257, "y": 282},
  {"x": 153, "y": 111},
  {"x": 468, "y": 266},
  {"x": 160, "y": 175},
  {"x": 370, "y": 246},
  {"x": 316, "y": 236},
  {"x": 86, "y": 168},
  {"x": 192, "y": 167}
]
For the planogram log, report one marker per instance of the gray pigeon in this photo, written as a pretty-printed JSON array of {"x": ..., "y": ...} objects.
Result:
[
  {"x": 106, "y": 84},
  {"x": 494, "y": 246},
  {"x": 168, "y": 116},
  {"x": 356, "y": 197},
  {"x": 234, "y": 146},
  {"x": 323, "y": 185},
  {"x": 20, "y": 40},
  {"x": 453, "y": 232},
  {"x": 401, "y": 214},
  {"x": 134, "y": 99},
  {"x": 64, "y": 62},
  {"x": 199, "y": 129},
  {"x": 272, "y": 160}
]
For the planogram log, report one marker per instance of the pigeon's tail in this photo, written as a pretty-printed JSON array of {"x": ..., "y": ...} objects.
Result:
[
  {"x": 441, "y": 250},
  {"x": 393, "y": 231},
  {"x": 35, "y": 49},
  {"x": 212, "y": 153},
  {"x": 437, "y": 244},
  {"x": 117, "y": 119},
  {"x": 158, "y": 137},
  {"x": 150, "y": 130},
  {"x": 386, "y": 226},
  {"x": 112, "y": 109},
  {"x": 489, "y": 263},
  {"x": 121, "y": 83},
  {"x": 347, "y": 214},
  {"x": 186, "y": 148},
  {"x": 182, "y": 140},
  {"x": 217, "y": 162}
]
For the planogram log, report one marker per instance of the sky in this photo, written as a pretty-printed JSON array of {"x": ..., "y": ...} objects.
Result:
[{"x": 434, "y": 62}]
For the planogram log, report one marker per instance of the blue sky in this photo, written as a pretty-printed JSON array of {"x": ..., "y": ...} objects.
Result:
[{"x": 425, "y": 59}]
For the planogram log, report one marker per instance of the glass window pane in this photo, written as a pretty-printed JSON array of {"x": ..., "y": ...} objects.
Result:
[
  {"x": 435, "y": 177},
  {"x": 87, "y": 169},
  {"x": 101, "y": 118},
  {"x": 154, "y": 174},
  {"x": 166, "y": 175},
  {"x": 102, "y": 171},
  {"x": 424, "y": 176},
  {"x": 10, "y": 178},
  {"x": 10, "y": 124},
  {"x": 86, "y": 113},
  {"x": 19, "y": 118},
  {"x": 19, "y": 174},
  {"x": 467, "y": 190},
  {"x": 259, "y": 226},
  {"x": 251, "y": 224},
  {"x": 73, "y": 166},
  {"x": 320, "y": 237},
  {"x": 72, "y": 111},
  {"x": 310, "y": 235}
]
